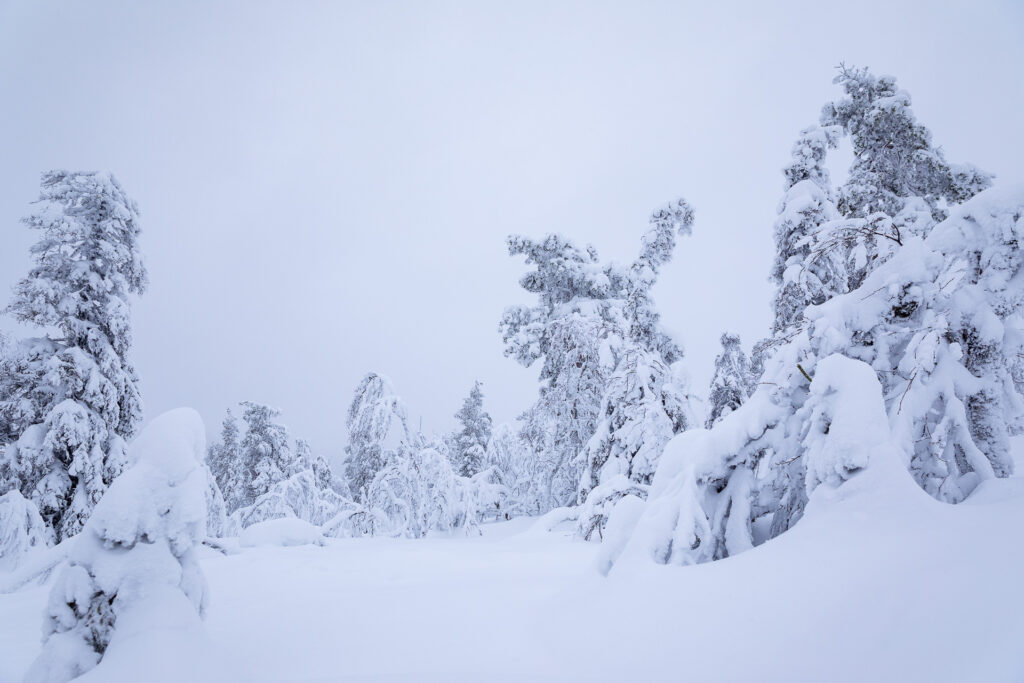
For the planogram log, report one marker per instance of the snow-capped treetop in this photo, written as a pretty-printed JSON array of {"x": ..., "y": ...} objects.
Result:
[
  {"x": 893, "y": 154},
  {"x": 89, "y": 246},
  {"x": 808, "y": 157}
]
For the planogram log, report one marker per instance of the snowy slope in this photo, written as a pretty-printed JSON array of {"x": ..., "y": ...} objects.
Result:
[{"x": 879, "y": 582}]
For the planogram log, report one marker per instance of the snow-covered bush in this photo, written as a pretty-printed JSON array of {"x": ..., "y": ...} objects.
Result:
[
  {"x": 22, "y": 530},
  {"x": 299, "y": 496},
  {"x": 417, "y": 491},
  {"x": 136, "y": 556},
  {"x": 511, "y": 467}
]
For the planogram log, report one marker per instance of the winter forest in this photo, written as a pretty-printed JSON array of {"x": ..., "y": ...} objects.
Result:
[{"x": 831, "y": 492}]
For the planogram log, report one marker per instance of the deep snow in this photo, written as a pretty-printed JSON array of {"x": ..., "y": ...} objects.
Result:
[{"x": 879, "y": 582}]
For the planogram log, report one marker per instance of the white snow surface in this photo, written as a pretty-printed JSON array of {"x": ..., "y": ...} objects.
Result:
[
  {"x": 878, "y": 582},
  {"x": 284, "y": 531}
]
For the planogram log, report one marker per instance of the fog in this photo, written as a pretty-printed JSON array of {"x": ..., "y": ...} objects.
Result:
[{"x": 326, "y": 187}]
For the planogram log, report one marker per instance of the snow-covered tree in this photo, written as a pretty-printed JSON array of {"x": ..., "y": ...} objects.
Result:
[
  {"x": 306, "y": 460},
  {"x": 732, "y": 382},
  {"x": 511, "y": 461},
  {"x": 587, "y": 317},
  {"x": 72, "y": 397},
  {"x": 377, "y": 424},
  {"x": 417, "y": 491},
  {"x": 300, "y": 496},
  {"x": 899, "y": 183},
  {"x": 936, "y": 324},
  {"x": 469, "y": 442},
  {"x": 216, "y": 509},
  {"x": 894, "y": 158},
  {"x": 644, "y": 405},
  {"x": 933, "y": 308},
  {"x": 265, "y": 449},
  {"x": 136, "y": 559},
  {"x": 228, "y": 466},
  {"x": 807, "y": 205},
  {"x": 656, "y": 249}
]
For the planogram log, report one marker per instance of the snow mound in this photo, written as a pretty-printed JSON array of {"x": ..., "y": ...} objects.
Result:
[
  {"x": 133, "y": 570},
  {"x": 285, "y": 531},
  {"x": 22, "y": 530}
]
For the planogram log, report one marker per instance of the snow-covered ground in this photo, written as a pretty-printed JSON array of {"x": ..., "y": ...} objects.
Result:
[{"x": 878, "y": 583}]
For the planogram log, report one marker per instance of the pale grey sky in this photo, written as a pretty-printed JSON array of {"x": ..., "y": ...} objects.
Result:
[{"x": 326, "y": 187}]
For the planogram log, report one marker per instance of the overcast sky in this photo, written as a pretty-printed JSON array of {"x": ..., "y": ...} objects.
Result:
[{"x": 326, "y": 187}]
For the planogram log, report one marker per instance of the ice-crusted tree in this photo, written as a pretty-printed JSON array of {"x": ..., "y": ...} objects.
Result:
[
  {"x": 377, "y": 423},
  {"x": 228, "y": 466},
  {"x": 72, "y": 396},
  {"x": 643, "y": 407},
  {"x": 136, "y": 558},
  {"x": 469, "y": 442},
  {"x": 265, "y": 449},
  {"x": 732, "y": 382}
]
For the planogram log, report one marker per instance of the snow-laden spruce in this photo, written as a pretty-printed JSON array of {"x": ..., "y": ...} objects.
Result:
[
  {"x": 808, "y": 203},
  {"x": 732, "y": 382},
  {"x": 135, "y": 562},
  {"x": 72, "y": 396},
  {"x": 228, "y": 467},
  {"x": 469, "y": 442}
]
